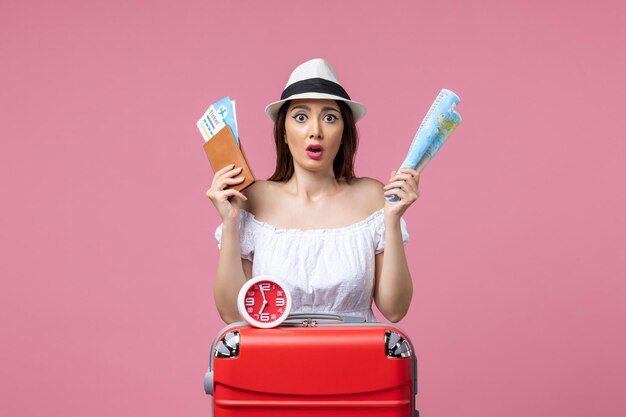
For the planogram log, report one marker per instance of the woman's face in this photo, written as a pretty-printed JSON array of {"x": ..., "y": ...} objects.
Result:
[{"x": 313, "y": 131}]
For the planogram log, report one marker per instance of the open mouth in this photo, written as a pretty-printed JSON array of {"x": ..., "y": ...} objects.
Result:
[
  {"x": 314, "y": 151},
  {"x": 314, "y": 148}
]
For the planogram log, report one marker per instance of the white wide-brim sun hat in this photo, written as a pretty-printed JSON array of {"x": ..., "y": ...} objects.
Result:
[{"x": 315, "y": 79}]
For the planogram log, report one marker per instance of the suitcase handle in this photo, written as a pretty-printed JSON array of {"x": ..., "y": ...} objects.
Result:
[{"x": 312, "y": 319}]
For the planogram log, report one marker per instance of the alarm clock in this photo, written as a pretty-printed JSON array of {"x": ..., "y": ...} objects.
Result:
[{"x": 264, "y": 302}]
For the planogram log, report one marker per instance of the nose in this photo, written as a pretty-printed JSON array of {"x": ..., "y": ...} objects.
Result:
[{"x": 315, "y": 129}]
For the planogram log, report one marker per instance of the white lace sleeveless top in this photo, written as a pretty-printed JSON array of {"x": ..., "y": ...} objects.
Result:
[{"x": 326, "y": 270}]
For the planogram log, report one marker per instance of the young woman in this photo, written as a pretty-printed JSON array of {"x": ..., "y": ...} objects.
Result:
[{"x": 331, "y": 237}]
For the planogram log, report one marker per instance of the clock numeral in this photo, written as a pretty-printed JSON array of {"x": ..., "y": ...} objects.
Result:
[
  {"x": 265, "y": 286},
  {"x": 280, "y": 302},
  {"x": 250, "y": 293},
  {"x": 265, "y": 316},
  {"x": 249, "y": 301},
  {"x": 280, "y": 293}
]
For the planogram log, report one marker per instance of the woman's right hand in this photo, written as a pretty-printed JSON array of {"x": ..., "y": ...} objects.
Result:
[{"x": 227, "y": 201}]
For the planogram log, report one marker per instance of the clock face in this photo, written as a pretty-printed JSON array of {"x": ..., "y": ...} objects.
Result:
[{"x": 264, "y": 302}]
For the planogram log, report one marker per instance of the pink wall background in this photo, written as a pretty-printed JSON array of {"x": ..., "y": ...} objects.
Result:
[{"x": 517, "y": 244}]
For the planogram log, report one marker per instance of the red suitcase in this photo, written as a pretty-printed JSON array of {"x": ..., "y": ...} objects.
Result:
[{"x": 313, "y": 364}]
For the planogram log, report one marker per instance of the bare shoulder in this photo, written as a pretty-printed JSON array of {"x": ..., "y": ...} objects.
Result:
[
  {"x": 367, "y": 183},
  {"x": 368, "y": 192},
  {"x": 259, "y": 194}
]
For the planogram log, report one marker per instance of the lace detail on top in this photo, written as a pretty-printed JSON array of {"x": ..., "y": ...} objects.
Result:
[{"x": 326, "y": 270}]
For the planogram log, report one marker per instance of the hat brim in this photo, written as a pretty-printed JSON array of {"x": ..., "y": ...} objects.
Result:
[{"x": 358, "y": 109}]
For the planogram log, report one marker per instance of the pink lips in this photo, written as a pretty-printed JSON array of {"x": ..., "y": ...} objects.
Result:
[{"x": 314, "y": 151}]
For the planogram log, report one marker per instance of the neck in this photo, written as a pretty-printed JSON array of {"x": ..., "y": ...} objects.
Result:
[{"x": 312, "y": 187}]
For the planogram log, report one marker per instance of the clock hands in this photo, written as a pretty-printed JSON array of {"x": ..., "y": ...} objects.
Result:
[
  {"x": 263, "y": 294},
  {"x": 264, "y": 300}
]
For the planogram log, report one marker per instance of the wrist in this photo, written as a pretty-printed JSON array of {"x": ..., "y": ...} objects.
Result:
[
  {"x": 392, "y": 220},
  {"x": 230, "y": 225}
]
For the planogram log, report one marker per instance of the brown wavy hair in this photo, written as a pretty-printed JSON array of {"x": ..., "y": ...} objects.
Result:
[{"x": 343, "y": 165}]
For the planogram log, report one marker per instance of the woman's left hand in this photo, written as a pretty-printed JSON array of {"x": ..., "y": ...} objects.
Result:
[{"x": 404, "y": 184}]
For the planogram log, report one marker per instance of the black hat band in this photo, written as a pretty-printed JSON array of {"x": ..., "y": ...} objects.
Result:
[{"x": 314, "y": 85}]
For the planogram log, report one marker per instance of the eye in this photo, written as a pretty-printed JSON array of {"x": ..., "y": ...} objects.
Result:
[
  {"x": 330, "y": 118},
  {"x": 300, "y": 117}
]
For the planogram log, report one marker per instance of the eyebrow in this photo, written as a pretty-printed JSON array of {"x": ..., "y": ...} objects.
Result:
[{"x": 305, "y": 107}]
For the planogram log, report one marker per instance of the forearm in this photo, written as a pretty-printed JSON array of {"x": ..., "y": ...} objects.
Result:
[
  {"x": 394, "y": 287},
  {"x": 230, "y": 276}
]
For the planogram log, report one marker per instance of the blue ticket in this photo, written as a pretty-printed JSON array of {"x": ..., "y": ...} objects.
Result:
[{"x": 226, "y": 112}]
